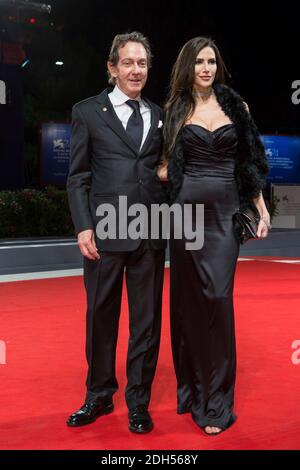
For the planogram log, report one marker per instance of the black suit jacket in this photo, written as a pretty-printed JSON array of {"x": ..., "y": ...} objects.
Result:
[{"x": 104, "y": 164}]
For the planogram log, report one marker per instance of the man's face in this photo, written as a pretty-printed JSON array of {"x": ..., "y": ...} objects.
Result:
[{"x": 131, "y": 70}]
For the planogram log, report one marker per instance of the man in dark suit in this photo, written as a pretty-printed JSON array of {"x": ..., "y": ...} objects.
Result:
[{"x": 115, "y": 150}]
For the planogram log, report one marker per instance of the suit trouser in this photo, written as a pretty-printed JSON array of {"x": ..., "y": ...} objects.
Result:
[{"x": 103, "y": 282}]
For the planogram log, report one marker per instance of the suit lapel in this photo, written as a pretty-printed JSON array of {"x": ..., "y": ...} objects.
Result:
[
  {"x": 153, "y": 127},
  {"x": 106, "y": 111}
]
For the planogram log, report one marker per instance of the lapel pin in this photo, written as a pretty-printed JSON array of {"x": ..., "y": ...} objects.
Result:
[{"x": 104, "y": 109}]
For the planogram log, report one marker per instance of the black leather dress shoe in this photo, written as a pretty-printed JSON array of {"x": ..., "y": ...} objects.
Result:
[
  {"x": 89, "y": 412},
  {"x": 139, "y": 420}
]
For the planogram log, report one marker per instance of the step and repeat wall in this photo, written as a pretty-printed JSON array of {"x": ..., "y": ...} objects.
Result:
[{"x": 283, "y": 153}]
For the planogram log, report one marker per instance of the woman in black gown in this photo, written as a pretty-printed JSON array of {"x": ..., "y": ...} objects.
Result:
[{"x": 215, "y": 158}]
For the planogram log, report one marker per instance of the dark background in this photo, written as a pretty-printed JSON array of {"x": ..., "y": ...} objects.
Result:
[
  {"x": 258, "y": 42},
  {"x": 260, "y": 46}
]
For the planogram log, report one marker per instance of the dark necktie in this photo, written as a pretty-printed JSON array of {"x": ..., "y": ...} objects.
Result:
[{"x": 135, "y": 124}]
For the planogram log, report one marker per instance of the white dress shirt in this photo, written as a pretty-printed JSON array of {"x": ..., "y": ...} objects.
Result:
[{"x": 123, "y": 111}]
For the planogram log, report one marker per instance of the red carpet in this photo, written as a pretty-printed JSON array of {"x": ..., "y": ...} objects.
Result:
[{"x": 42, "y": 382}]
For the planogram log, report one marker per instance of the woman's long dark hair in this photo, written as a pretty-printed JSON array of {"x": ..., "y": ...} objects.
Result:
[{"x": 181, "y": 103}]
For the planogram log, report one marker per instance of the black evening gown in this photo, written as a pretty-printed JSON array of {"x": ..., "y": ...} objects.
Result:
[{"x": 202, "y": 317}]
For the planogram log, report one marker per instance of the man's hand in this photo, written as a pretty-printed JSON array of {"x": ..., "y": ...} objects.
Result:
[{"x": 87, "y": 245}]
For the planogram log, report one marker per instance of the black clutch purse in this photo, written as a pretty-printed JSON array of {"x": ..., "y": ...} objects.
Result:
[{"x": 245, "y": 223}]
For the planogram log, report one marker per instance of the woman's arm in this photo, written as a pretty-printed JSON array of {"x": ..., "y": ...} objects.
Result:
[
  {"x": 162, "y": 171},
  {"x": 264, "y": 224}
]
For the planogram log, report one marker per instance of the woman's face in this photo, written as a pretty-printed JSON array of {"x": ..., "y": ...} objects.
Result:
[{"x": 205, "y": 69}]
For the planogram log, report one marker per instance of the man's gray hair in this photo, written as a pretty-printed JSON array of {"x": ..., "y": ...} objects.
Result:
[{"x": 119, "y": 41}]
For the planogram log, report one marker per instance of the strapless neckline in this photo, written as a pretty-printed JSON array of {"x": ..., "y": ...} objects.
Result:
[
  {"x": 208, "y": 152},
  {"x": 207, "y": 130}
]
